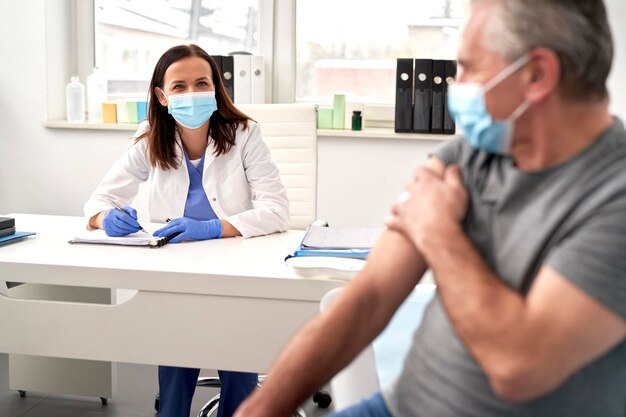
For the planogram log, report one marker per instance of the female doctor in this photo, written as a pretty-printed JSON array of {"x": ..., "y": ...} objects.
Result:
[{"x": 210, "y": 172}]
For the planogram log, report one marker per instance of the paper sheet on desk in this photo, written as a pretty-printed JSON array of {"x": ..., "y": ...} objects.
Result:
[{"x": 318, "y": 237}]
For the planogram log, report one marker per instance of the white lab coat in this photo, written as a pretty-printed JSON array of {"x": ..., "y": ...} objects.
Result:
[{"x": 243, "y": 186}]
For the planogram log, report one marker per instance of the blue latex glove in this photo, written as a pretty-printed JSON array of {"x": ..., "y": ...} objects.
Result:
[
  {"x": 117, "y": 223},
  {"x": 187, "y": 228}
]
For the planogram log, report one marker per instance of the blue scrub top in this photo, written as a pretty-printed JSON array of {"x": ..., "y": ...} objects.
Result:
[{"x": 197, "y": 206}]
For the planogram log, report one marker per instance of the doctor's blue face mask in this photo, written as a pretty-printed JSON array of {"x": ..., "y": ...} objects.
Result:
[
  {"x": 466, "y": 103},
  {"x": 191, "y": 110}
]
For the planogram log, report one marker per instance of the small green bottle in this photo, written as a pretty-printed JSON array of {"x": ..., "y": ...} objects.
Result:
[{"x": 356, "y": 120}]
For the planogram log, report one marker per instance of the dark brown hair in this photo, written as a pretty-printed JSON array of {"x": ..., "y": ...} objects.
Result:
[{"x": 160, "y": 135}]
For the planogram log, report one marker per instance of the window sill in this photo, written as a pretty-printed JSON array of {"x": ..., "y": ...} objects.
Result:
[
  {"x": 64, "y": 124},
  {"x": 368, "y": 133},
  {"x": 380, "y": 133}
]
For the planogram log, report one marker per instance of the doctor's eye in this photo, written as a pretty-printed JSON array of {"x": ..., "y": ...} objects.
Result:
[
  {"x": 203, "y": 84},
  {"x": 178, "y": 87}
]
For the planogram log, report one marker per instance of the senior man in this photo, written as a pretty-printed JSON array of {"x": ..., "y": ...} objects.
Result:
[{"x": 523, "y": 223}]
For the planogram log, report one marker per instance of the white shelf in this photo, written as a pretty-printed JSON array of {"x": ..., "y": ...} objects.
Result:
[
  {"x": 380, "y": 133},
  {"x": 64, "y": 124},
  {"x": 368, "y": 133}
]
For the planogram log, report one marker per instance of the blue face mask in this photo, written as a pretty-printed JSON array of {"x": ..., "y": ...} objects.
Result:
[
  {"x": 192, "y": 110},
  {"x": 466, "y": 103}
]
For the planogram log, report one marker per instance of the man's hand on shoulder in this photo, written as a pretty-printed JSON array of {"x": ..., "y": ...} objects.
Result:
[{"x": 433, "y": 204}]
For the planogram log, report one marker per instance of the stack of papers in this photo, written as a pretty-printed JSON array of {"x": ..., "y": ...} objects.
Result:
[{"x": 347, "y": 242}]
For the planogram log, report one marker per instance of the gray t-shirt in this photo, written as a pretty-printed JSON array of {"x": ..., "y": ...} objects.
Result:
[{"x": 571, "y": 217}]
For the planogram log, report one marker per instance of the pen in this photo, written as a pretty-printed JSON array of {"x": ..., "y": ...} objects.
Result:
[{"x": 122, "y": 210}]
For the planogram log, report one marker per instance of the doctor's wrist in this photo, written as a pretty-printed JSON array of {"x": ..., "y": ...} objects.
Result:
[
  {"x": 95, "y": 222},
  {"x": 228, "y": 230}
]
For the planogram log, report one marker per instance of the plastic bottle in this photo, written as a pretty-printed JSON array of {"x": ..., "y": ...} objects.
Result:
[
  {"x": 96, "y": 94},
  {"x": 75, "y": 100}
]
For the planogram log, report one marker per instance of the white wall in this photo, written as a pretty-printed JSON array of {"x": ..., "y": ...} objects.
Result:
[
  {"x": 54, "y": 171},
  {"x": 359, "y": 179},
  {"x": 41, "y": 170}
]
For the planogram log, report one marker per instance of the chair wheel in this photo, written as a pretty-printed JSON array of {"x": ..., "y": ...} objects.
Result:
[
  {"x": 322, "y": 399},
  {"x": 157, "y": 403},
  {"x": 104, "y": 401},
  {"x": 22, "y": 393}
]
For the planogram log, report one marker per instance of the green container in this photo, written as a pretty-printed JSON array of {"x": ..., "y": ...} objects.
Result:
[
  {"x": 324, "y": 118},
  {"x": 132, "y": 111},
  {"x": 339, "y": 111}
]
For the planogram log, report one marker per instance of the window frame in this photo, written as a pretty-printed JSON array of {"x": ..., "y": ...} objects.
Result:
[
  {"x": 83, "y": 46},
  {"x": 71, "y": 33}
]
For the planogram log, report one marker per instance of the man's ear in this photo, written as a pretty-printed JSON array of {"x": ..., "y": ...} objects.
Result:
[
  {"x": 544, "y": 74},
  {"x": 160, "y": 96}
]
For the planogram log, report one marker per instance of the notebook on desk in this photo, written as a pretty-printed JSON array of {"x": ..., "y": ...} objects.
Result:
[
  {"x": 134, "y": 239},
  {"x": 333, "y": 252},
  {"x": 343, "y": 242}
]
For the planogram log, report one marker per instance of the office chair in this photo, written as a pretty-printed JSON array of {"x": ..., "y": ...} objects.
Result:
[
  {"x": 381, "y": 361},
  {"x": 290, "y": 132}
]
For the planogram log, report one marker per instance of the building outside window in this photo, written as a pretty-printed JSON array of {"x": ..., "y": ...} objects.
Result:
[
  {"x": 341, "y": 46},
  {"x": 131, "y": 35},
  {"x": 351, "y": 46}
]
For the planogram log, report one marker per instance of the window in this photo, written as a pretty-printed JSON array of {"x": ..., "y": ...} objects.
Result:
[
  {"x": 351, "y": 46},
  {"x": 131, "y": 35}
]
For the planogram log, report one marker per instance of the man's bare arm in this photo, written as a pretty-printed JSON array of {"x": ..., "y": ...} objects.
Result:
[{"x": 332, "y": 339}]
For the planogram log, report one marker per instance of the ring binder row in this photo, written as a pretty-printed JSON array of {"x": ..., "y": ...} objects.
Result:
[
  {"x": 421, "y": 92},
  {"x": 243, "y": 77}
]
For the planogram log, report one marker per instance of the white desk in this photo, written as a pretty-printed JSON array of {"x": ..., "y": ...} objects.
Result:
[{"x": 219, "y": 304}]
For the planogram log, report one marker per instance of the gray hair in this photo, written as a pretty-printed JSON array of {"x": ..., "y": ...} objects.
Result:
[{"x": 576, "y": 30}]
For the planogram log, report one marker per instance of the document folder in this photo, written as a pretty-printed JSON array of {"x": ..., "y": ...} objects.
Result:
[
  {"x": 228, "y": 77},
  {"x": 436, "y": 125},
  {"x": 422, "y": 95},
  {"x": 404, "y": 95},
  {"x": 449, "y": 128},
  {"x": 243, "y": 82},
  {"x": 15, "y": 237},
  {"x": 257, "y": 84}
]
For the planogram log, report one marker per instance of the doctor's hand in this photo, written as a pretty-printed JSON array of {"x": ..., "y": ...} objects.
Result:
[
  {"x": 432, "y": 205},
  {"x": 117, "y": 223},
  {"x": 191, "y": 229}
]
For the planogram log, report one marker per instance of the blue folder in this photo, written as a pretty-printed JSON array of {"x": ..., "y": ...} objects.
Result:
[
  {"x": 342, "y": 253},
  {"x": 346, "y": 242},
  {"x": 15, "y": 237}
]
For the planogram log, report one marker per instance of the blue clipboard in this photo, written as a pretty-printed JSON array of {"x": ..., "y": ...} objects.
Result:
[{"x": 17, "y": 236}]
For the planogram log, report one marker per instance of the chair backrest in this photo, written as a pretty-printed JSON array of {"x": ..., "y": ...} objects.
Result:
[
  {"x": 290, "y": 132},
  {"x": 380, "y": 362}
]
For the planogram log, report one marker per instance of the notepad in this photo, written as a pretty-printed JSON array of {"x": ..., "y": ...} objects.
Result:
[{"x": 134, "y": 239}]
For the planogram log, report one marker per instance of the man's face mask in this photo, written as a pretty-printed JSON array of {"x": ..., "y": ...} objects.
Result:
[
  {"x": 466, "y": 103},
  {"x": 192, "y": 110}
]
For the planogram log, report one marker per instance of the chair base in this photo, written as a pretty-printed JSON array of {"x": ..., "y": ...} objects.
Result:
[{"x": 210, "y": 408}]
